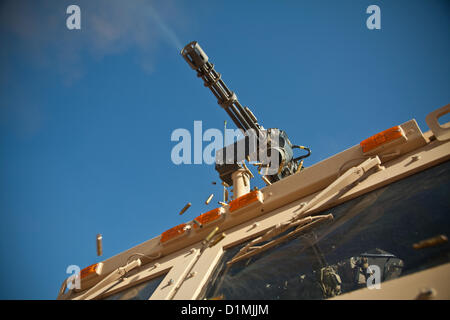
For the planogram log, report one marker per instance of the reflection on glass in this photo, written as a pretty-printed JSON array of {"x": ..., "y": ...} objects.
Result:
[
  {"x": 371, "y": 237},
  {"x": 141, "y": 291}
]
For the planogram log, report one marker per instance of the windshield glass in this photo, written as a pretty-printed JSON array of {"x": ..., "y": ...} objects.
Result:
[
  {"x": 377, "y": 236},
  {"x": 141, "y": 291}
]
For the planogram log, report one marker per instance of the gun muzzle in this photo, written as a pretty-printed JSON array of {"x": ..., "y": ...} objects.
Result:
[
  {"x": 194, "y": 55},
  {"x": 227, "y": 99}
]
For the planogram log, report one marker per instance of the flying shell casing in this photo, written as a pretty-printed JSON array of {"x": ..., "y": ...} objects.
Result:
[
  {"x": 247, "y": 170},
  {"x": 211, "y": 234},
  {"x": 217, "y": 239},
  {"x": 99, "y": 245},
  {"x": 197, "y": 223},
  {"x": 300, "y": 166},
  {"x": 209, "y": 199},
  {"x": 266, "y": 180},
  {"x": 431, "y": 242},
  {"x": 185, "y": 208}
]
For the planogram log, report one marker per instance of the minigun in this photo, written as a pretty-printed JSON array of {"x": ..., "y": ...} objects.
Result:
[{"x": 270, "y": 148}]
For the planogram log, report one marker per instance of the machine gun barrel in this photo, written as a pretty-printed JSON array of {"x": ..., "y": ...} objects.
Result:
[
  {"x": 227, "y": 99},
  {"x": 272, "y": 146}
]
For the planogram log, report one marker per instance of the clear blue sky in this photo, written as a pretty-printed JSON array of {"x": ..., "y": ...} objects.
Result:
[{"x": 86, "y": 115}]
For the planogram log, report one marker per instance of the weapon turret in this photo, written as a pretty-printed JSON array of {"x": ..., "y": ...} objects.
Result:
[{"x": 271, "y": 147}]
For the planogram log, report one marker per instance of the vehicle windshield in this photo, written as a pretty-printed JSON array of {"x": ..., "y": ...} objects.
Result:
[
  {"x": 377, "y": 234},
  {"x": 142, "y": 291}
]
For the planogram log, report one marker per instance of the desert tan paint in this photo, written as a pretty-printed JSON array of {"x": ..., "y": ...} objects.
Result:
[
  {"x": 281, "y": 200},
  {"x": 428, "y": 284},
  {"x": 292, "y": 188}
]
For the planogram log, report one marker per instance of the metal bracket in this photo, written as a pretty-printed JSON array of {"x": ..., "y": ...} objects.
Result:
[{"x": 442, "y": 133}]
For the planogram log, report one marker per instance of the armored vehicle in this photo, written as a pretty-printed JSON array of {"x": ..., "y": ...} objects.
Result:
[{"x": 370, "y": 222}]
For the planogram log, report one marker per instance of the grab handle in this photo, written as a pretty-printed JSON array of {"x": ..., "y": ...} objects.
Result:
[{"x": 441, "y": 132}]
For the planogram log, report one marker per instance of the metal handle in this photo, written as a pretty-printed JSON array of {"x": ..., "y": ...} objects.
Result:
[{"x": 441, "y": 132}]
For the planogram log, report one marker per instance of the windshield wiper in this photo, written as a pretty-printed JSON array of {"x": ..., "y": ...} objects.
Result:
[{"x": 303, "y": 220}]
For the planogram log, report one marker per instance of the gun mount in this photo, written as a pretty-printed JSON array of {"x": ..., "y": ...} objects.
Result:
[{"x": 271, "y": 148}]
